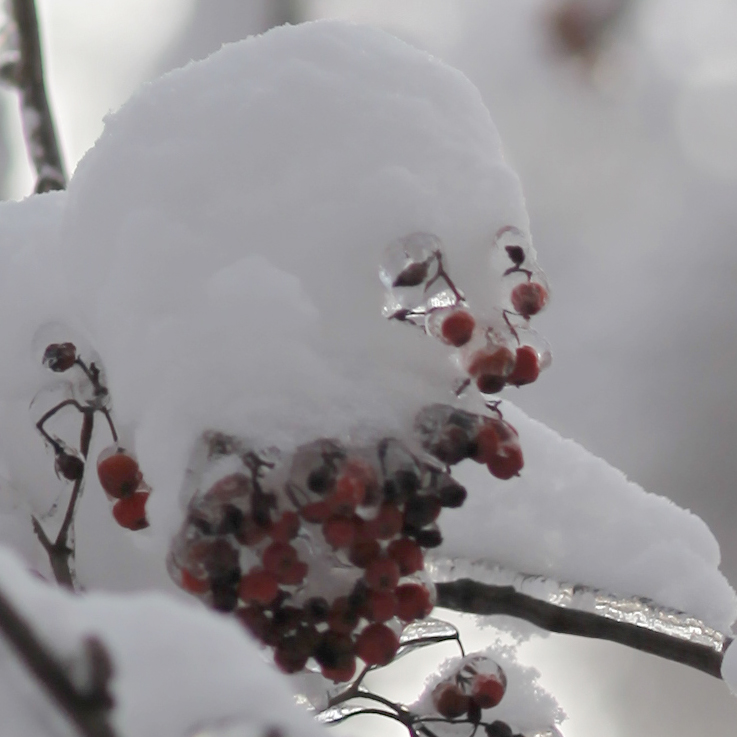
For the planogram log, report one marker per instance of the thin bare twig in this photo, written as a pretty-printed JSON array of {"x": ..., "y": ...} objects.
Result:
[
  {"x": 473, "y": 597},
  {"x": 87, "y": 708},
  {"x": 38, "y": 122}
]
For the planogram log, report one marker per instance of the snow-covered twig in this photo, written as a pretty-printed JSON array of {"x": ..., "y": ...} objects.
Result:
[
  {"x": 38, "y": 123},
  {"x": 86, "y": 707},
  {"x": 474, "y": 597}
]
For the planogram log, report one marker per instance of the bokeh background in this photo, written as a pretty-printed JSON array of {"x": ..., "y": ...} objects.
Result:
[{"x": 621, "y": 119}]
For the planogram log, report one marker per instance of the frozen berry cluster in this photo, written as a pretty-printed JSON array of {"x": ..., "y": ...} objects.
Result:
[
  {"x": 320, "y": 553},
  {"x": 453, "y": 435},
  {"x": 117, "y": 469},
  {"x": 477, "y": 684},
  {"x": 494, "y": 350}
]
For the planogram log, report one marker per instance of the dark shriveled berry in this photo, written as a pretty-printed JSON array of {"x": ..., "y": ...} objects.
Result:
[
  {"x": 69, "y": 466},
  {"x": 60, "y": 357}
]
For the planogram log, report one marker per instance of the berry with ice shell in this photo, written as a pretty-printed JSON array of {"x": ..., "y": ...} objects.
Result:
[
  {"x": 69, "y": 465},
  {"x": 490, "y": 367},
  {"x": 487, "y": 689},
  {"x": 192, "y": 584},
  {"x": 377, "y": 644},
  {"x": 380, "y": 606},
  {"x": 339, "y": 532},
  {"x": 60, "y": 357},
  {"x": 258, "y": 586},
  {"x": 457, "y": 328},
  {"x": 507, "y": 463},
  {"x": 118, "y": 472},
  {"x": 407, "y": 554},
  {"x": 130, "y": 511},
  {"x": 529, "y": 298},
  {"x": 526, "y": 367},
  {"x": 343, "y": 616},
  {"x": 413, "y": 602},
  {"x": 382, "y": 574},
  {"x": 449, "y": 701},
  {"x": 285, "y": 528},
  {"x": 387, "y": 523}
]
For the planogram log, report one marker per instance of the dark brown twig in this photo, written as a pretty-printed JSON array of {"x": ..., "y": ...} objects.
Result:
[
  {"x": 473, "y": 597},
  {"x": 87, "y": 708},
  {"x": 38, "y": 123}
]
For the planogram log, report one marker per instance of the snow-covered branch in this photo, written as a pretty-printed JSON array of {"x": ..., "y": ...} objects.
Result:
[
  {"x": 86, "y": 708},
  {"x": 38, "y": 123},
  {"x": 474, "y": 597}
]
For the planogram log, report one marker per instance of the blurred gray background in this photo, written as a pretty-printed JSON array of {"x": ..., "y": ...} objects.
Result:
[{"x": 621, "y": 119}]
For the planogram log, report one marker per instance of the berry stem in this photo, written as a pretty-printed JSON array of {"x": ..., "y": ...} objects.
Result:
[{"x": 48, "y": 415}]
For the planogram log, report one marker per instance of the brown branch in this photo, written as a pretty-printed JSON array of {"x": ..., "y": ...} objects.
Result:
[
  {"x": 473, "y": 597},
  {"x": 38, "y": 123},
  {"x": 87, "y": 708}
]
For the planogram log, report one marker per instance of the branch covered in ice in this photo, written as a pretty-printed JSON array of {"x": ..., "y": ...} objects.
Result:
[
  {"x": 38, "y": 123},
  {"x": 586, "y": 612}
]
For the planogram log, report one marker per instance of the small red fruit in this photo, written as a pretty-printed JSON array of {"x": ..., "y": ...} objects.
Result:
[
  {"x": 407, "y": 554},
  {"x": 294, "y": 575},
  {"x": 387, "y": 523},
  {"x": 380, "y": 606},
  {"x": 279, "y": 558},
  {"x": 316, "y": 512},
  {"x": 526, "y": 367},
  {"x": 341, "y": 674},
  {"x": 119, "y": 473},
  {"x": 130, "y": 512},
  {"x": 343, "y": 616},
  {"x": 285, "y": 528},
  {"x": 339, "y": 532},
  {"x": 507, "y": 463},
  {"x": 377, "y": 645},
  {"x": 189, "y": 582},
  {"x": 487, "y": 690},
  {"x": 60, "y": 357},
  {"x": 487, "y": 442},
  {"x": 413, "y": 602},
  {"x": 450, "y": 701},
  {"x": 490, "y": 368},
  {"x": 382, "y": 574},
  {"x": 258, "y": 586},
  {"x": 529, "y": 298},
  {"x": 362, "y": 553},
  {"x": 457, "y": 328}
]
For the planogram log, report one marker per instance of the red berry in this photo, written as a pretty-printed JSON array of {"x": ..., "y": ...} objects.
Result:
[
  {"x": 526, "y": 367},
  {"x": 119, "y": 473},
  {"x": 285, "y": 528},
  {"x": 258, "y": 586},
  {"x": 254, "y": 619},
  {"x": 316, "y": 512},
  {"x": 487, "y": 442},
  {"x": 130, "y": 512},
  {"x": 377, "y": 645},
  {"x": 450, "y": 701},
  {"x": 249, "y": 532},
  {"x": 457, "y": 328},
  {"x": 189, "y": 582},
  {"x": 529, "y": 298},
  {"x": 507, "y": 463},
  {"x": 382, "y": 574},
  {"x": 387, "y": 523},
  {"x": 380, "y": 606},
  {"x": 294, "y": 575},
  {"x": 339, "y": 532},
  {"x": 490, "y": 368},
  {"x": 413, "y": 602},
  {"x": 407, "y": 554},
  {"x": 60, "y": 357},
  {"x": 341, "y": 674},
  {"x": 343, "y": 616},
  {"x": 279, "y": 557},
  {"x": 362, "y": 553},
  {"x": 487, "y": 690}
]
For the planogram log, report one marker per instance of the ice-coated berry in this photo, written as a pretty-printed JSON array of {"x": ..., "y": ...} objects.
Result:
[
  {"x": 526, "y": 367},
  {"x": 130, "y": 512},
  {"x": 258, "y": 586},
  {"x": 487, "y": 689},
  {"x": 60, "y": 357},
  {"x": 489, "y": 367},
  {"x": 377, "y": 644},
  {"x": 529, "y": 298},
  {"x": 71, "y": 467},
  {"x": 407, "y": 554},
  {"x": 413, "y": 602},
  {"x": 339, "y": 532},
  {"x": 382, "y": 574},
  {"x": 119, "y": 473},
  {"x": 449, "y": 701},
  {"x": 505, "y": 466},
  {"x": 457, "y": 328}
]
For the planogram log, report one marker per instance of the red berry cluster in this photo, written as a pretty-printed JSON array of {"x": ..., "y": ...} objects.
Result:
[
  {"x": 319, "y": 555},
  {"x": 453, "y": 435},
  {"x": 478, "y": 684},
  {"x": 122, "y": 480},
  {"x": 497, "y": 351}
]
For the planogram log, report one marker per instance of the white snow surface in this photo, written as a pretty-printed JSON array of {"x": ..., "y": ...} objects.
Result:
[
  {"x": 219, "y": 249},
  {"x": 571, "y": 516},
  {"x": 177, "y": 668}
]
